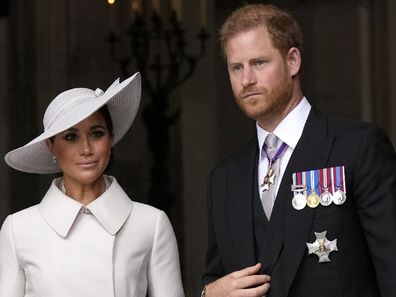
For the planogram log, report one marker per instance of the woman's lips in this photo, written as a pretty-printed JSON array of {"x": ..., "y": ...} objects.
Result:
[{"x": 86, "y": 163}]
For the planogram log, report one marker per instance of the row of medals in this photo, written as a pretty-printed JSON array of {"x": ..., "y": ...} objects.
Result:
[{"x": 300, "y": 199}]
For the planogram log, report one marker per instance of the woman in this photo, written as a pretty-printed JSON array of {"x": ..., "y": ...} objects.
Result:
[{"x": 86, "y": 237}]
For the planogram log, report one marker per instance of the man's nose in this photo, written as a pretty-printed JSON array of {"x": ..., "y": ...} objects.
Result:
[{"x": 248, "y": 77}]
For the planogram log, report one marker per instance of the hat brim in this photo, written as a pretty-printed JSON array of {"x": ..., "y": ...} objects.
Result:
[{"x": 122, "y": 100}]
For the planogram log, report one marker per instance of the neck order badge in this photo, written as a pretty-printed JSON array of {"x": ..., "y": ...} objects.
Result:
[{"x": 269, "y": 178}]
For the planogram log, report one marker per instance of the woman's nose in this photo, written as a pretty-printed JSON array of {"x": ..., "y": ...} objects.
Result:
[{"x": 86, "y": 149}]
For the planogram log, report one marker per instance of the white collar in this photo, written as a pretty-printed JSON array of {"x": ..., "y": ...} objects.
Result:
[
  {"x": 111, "y": 209},
  {"x": 290, "y": 128}
]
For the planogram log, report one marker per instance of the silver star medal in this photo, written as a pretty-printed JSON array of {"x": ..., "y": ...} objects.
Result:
[
  {"x": 269, "y": 179},
  {"x": 322, "y": 247}
]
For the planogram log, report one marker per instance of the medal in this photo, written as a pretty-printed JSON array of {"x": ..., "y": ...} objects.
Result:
[
  {"x": 299, "y": 201},
  {"x": 313, "y": 198},
  {"x": 339, "y": 197},
  {"x": 269, "y": 178},
  {"x": 298, "y": 188},
  {"x": 338, "y": 177},
  {"x": 322, "y": 247},
  {"x": 325, "y": 198}
]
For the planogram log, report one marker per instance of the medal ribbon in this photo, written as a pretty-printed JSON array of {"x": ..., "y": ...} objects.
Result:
[
  {"x": 316, "y": 181},
  {"x": 312, "y": 178},
  {"x": 328, "y": 177},
  {"x": 294, "y": 178},
  {"x": 333, "y": 184},
  {"x": 341, "y": 178},
  {"x": 338, "y": 178},
  {"x": 324, "y": 180},
  {"x": 277, "y": 155},
  {"x": 338, "y": 182},
  {"x": 304, "y": 182},
  {"x": 308, "y": 180},
  {"x": 298, "y": 182}
]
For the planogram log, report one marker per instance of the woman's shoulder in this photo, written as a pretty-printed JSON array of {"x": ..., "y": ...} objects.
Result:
[
  {"x": 21, "y": 221},
  {"x": 146, "y": 215},
  {"x": 24, "y": 215},
  {"x": 147, "y": 223},
  {"x": 145, "y": 210}
]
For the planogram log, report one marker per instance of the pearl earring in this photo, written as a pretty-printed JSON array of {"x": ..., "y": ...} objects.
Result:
[{"x": 53, "y": 159}]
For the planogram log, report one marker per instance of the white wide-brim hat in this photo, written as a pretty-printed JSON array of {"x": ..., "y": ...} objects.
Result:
[{"x": 71, "y": 107}]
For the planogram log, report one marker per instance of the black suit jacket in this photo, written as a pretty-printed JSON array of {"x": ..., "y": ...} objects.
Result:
[{"x": 364, "y": 226}]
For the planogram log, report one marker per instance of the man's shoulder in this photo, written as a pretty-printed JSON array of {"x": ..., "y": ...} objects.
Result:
[
  {"x": 348, "y": 133},
  {"x": 338, "y": 125},
  {"x": 347, "y": 123}
]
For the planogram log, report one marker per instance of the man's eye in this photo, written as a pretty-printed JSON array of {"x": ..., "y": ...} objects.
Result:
[
  {"x": 70, "y": 137},
  {"x": 236, "y": 67},
  {"x": 259, "y": 62}
]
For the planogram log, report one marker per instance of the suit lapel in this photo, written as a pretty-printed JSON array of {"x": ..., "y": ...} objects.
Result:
[
  {"x": 289, "y": 228},
  {"x": 239, "y": 205},
  {"x": 311, "y": 152},
  {"x": 288, "y": 225}
]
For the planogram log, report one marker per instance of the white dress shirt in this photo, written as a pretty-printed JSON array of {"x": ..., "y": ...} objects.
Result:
[
  {"x": 110, "y": 247},
  {"x": 288, "y": 131}
]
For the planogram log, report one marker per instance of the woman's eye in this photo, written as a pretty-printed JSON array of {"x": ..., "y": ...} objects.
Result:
[
  {"x": 98, "y": 134},
  {"x": 259, "y": 62},
  {"x": 70, "y": 137}
]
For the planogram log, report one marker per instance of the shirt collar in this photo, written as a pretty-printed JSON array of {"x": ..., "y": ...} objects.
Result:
[
  {"x": 111, "y": 209},
  {"x": 296, "y": 119}
]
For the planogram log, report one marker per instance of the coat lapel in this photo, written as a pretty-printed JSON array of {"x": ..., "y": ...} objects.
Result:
[
  {"x": 289, "y": 228},
  {"x": 239, "y": 206},
  {"x": 287, "y": 225},
  {"x": 311, "y": 152}
]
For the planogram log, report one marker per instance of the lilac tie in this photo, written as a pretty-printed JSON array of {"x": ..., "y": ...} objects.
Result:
[{"x": 270, "y": 148}]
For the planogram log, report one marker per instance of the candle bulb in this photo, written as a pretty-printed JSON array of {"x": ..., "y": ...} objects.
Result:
[
  {"x": 111, "y": 14},
  {"x": 135, "y": 8}
]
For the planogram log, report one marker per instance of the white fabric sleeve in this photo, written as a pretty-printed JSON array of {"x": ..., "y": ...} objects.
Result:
[
  {"x": 12, "y": 278},
  {"x": 164, "y": 277}
]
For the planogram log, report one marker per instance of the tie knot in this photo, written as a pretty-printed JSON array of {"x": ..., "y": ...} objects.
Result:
[{"x": 271, "y": 141}]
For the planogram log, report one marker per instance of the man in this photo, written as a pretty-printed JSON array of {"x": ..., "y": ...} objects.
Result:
[{"x": 308, "y": 207}]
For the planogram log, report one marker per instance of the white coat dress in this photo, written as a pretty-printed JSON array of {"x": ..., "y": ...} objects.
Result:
[{"x": 111, "y": 247}]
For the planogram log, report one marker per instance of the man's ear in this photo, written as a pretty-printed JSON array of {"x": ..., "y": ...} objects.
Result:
[{"x": 293, "y": 59}]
